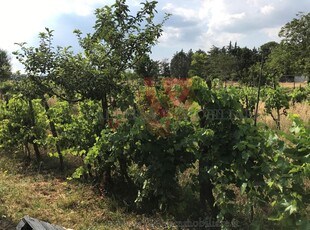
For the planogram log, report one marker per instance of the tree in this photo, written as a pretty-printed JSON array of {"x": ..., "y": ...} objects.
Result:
[
  {"x": 279, "y": 63},
  {"x": 296, "y": 37},
  {"x": 5, "y": 66},
  {"x": 199, "y": 64},
  {"x": 37, "y": 83},
  {"x": 267, "y": 48},
  {"x": 164, "y": 68},
  {"x": 146, "y": 67},
  {"x": 222, "y": 65},
  {"x": 180, "y": 64},
  {"x": 119, "y": 40},
  {"x": 245, "y": 58}
]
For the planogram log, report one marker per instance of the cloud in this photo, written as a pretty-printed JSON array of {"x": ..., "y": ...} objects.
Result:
[
  {"x": 187, "y": 14},
  {"x": 170, "y": 34},
  {"x": 266, "y": 9},
  {"x": 194, "y": 24},
  {"x": 23, "y": 20}
]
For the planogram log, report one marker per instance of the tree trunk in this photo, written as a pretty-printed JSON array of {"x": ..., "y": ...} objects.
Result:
[
  {"x": 107, "y": 178},
  {"x": 123, "y": 168},
  {"x": 105, "y": 110},
  {"x": 278, "y": 119},
  {"x": 37, "y": 151},
  {"x": 27, "y": 151},
  {"x": 55, "y": 135},
  {"x": 205, "y": 184},
  {"x": 33, "y": 137}
]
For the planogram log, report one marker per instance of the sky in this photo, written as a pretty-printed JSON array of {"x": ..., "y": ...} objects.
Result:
[{"x": 194, "y": 24}]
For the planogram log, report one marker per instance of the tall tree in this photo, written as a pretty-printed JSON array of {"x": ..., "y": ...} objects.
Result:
[
  {"x": 267, "y": 48},
  {"x": 280, "y": 62},
  {"x": 118, "y": 41},
  {"x": 164, "y": 68},
  {"x": 296, "y": 37},
  {"x": 180, "y": 64},
  {"x": 199, "y": 64},
  {"x": 146, "y": 67},
  {"x": 222, "y": 65},
  {"x": 5, "y": 66}
]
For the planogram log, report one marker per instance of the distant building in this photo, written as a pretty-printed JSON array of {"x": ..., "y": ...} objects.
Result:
[
  {"x": 300, "y": 79},
  {"x": 292, "y": 78}
]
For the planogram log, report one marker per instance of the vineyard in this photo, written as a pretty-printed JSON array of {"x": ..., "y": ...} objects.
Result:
[
  {"x": 176, "y": 137},
  {"x": 108, "y": 149}
]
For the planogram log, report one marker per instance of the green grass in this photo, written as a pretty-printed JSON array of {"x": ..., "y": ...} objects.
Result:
[{"x": 50, "y": 197}]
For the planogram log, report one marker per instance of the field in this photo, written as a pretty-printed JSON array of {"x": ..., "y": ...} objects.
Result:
[
  {"x": 41, "y": 191},
  {"x": 302, "y": 109}
]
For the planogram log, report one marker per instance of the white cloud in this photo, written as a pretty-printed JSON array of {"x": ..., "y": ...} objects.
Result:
[
  {"x": 169, "y": 35},
  {"x": 22, "y": 20},
  {"x": 187, "y": 13},
  {"x": 272, "y": 33},
  {"x": 194, "y": 24},
  {"x": 267, "y": 9},
  {"x": 209, "y": 39}
]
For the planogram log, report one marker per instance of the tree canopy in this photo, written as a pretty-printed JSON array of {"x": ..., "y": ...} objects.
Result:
[
  {"x": 296, "y": 38},
  {"x": 5, "y": 65}
]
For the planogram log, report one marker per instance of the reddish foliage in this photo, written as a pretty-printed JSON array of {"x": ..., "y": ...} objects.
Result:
[
  {"x": 149, "y": 81},
  {"x": 113, "y": 124},
  {"x": 176, "y": 96},
  {"x": 177, "y": 89}
]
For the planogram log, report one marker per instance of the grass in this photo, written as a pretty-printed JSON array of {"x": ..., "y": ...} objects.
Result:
[
  {"x": 291, "y": 84},
  {"x": 302, "y": 109},
  {"x": 52, "y": 198}
]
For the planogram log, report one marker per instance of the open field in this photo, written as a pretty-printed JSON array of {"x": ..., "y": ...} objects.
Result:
[
  {"x": 291, "y": 84},
  {"x": 282, "y": 84},
  {"x": 302, "y": 109}
]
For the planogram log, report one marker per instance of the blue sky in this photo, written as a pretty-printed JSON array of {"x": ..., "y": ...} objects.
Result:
[{"x": 196, "y": 24}]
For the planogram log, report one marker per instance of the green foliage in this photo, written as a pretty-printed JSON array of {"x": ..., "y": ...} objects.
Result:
[
  {"x": 145, "y": 67},
  {"x": 5, "y": 66},
  {"x": 277, "y": 101},
  {"x": 295, "y": 36},
  {"x": 199, "y": 65},
  {"x": 248, "y": 97},
  {"x": 77, "y": 126},
  {"x": 288, "y": 184},
  {"x": 299, "y": 95},
  {"x": 222, "y": 65},
  {"x": 118, "y": 42},
  {"x": 164, "y": 68},
  {"x": 279, "y": 63},
  {"x": 180, "y": 64},
  {"x": 17, "y": 125}
]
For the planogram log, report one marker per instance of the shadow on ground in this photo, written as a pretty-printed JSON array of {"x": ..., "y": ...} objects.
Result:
[{"x": 6, "y": 223}]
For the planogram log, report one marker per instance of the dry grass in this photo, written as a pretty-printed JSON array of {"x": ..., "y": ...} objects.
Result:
[
  {"x": 56, "y": 200},
  {"x": 291, "y": 84},
  {"x": 302, "y": 109},
  {"x": 282, "y": 84}
]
